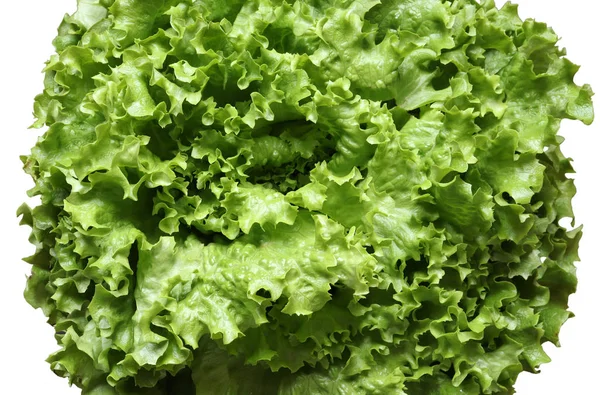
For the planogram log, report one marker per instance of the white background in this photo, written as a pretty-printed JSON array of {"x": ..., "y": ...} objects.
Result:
[{"x": 26, "y": 32}]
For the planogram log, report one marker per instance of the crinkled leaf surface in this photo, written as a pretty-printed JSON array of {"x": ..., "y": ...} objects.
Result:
[{"x": 302, "y": 197}]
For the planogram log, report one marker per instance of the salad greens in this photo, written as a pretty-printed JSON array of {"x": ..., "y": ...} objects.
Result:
[{"x": 281, "y": 197}]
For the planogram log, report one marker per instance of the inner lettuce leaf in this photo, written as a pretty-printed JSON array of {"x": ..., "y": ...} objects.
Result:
[{"x": 283, "y": 197}]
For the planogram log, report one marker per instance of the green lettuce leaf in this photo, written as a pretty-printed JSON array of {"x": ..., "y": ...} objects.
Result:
[{"x": 302, "y": 197}]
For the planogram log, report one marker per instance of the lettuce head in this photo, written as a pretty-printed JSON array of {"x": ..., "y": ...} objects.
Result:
[{"x": 279, "y": 197}]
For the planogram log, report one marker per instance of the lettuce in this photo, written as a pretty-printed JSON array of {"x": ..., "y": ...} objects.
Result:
[{"x": 302, "y": 197}]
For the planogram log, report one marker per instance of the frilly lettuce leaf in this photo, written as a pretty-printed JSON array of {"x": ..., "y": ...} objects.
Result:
[{"x": 302, "y": 197}]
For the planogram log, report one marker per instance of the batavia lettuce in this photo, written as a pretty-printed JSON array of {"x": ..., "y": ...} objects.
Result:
[{"x": 302, "y": 197}]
